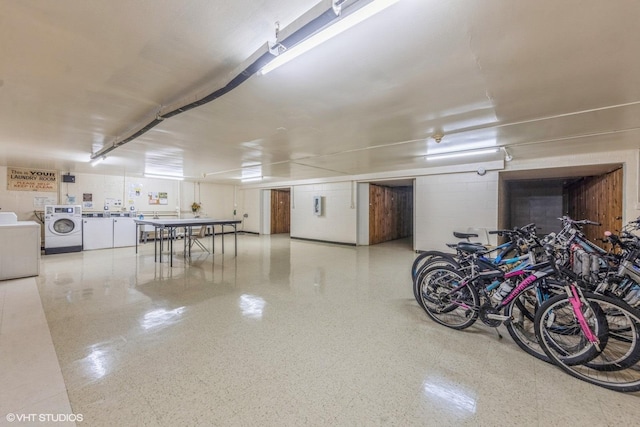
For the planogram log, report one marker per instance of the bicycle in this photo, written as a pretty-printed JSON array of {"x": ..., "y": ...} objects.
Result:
[
  {"x": 456, "y": 301},
  {"x": 593, "y": 337}
]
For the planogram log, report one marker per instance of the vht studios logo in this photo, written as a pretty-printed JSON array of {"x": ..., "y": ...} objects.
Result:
[{"x": 51, "y": 418}]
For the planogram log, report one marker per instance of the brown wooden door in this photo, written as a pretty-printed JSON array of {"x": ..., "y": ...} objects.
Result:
[
  {"x": 390, "y": 213},
  {"x": 280, "y": 211},
  {"x": 597, "y": 198}
]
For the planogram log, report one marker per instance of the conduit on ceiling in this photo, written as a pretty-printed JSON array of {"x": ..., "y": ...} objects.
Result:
[{"x": 322, "y": 15}]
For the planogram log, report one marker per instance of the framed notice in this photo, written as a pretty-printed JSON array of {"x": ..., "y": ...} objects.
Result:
[{"x": 22, "y": 179}]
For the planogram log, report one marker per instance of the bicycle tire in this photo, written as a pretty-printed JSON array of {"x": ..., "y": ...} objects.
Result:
[
  {"x": 433, "y": 261},
  {"x": 456, "y": 310},
  {"x": 623, "y": 347},
  {"x": 522, "y": 310},
  {"x": 425, "y": 257},
  {"x": 600, "y": 370}
]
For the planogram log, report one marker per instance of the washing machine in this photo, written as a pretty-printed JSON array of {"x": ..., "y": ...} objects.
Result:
[{"x": 62, "y": 229}]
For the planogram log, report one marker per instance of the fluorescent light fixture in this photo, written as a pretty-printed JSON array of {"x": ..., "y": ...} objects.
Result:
[
  {"x": 176, "y": 177},
  {"x": 97, "y": 160},
  {"x": 462, "y": 153},
  {"x": 252, "y": 179},
  {"x": 329, "y": 32}
]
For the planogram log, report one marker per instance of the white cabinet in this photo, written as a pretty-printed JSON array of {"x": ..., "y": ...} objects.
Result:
[
  {"x": 19, "y": 250},
  {"x": 97, "y": 233},
  {"x": 113, "y": 232},
  {"x": 124, "y": 232}
]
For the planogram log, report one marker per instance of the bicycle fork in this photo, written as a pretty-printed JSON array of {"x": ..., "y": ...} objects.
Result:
[{"x": 577, "y": 301}]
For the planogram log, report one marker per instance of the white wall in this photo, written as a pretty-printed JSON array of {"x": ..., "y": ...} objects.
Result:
[
  {"x": 131, "y": 191},
  {"x": 265, "y": 228},
  {"x": 339, "y": 218},
  {"x": 453, "y": 202},
  {"x": 217, "y": 200},
  {"x": 363, "y": 213},
  {"x": 444, "y": 201},
  {"x": 21, "y": 202},
  {"x": 249, "y": 204}
]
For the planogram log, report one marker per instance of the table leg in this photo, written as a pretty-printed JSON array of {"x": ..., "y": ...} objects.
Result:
[
  {"x": 161, "y": 237},
  {"x": 187, "y": 235},
  {"x": 136, "y": 237},
  {"x": 235, "y": 236},
  {"x": 222, "y": 227}
]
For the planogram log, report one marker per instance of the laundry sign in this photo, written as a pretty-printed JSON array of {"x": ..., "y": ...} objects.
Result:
[{"x": 21, "y": 179}]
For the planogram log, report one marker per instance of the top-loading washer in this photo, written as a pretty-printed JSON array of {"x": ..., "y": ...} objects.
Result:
[{"x": 62, "y": 229}]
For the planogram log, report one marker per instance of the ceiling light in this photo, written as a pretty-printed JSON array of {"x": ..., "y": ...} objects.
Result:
[
  {"x": 461, "y": 153},
  {"x": 252, "y": 179},
  {"x": 176, "y": 177},
  {"x": 333, "y": 30},
  {"x": 97, "y": 160}
]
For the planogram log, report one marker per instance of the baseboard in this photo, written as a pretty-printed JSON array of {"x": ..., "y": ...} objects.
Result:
[
  {"x": 324, "y": 241},
  {"x": 64, "y": 250}
]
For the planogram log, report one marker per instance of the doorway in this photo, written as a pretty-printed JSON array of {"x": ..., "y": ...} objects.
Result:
[
  {"x": 542, "y": 196},
  {"x": 280, "y": 211},
  {"x": 390, "y": 211}
]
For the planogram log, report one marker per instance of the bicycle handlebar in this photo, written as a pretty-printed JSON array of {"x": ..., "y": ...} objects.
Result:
[{"x": 568, "y": 220}]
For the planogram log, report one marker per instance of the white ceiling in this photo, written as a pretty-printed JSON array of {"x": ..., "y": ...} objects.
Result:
[{"x": 539, "y": 77}]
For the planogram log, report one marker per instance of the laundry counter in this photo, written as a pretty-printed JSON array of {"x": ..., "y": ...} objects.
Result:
[{"x": 19, "y": 250}]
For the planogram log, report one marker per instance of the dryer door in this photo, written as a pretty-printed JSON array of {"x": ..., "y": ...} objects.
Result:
[{"x": 62, "y": 226}]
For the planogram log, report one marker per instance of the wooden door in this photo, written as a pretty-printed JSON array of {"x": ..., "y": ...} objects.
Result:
[
  {"x": 280, "y": 211},
  {"x": 390, "y": 213},
  {"x": 597, "y": 198}
]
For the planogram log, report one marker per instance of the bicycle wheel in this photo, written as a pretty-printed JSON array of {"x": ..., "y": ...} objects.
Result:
[
  {"x": 427, "y": 257},
  {"x": 623, "y": 346},
  {"x": 614, "y": 364},
  {"x": 522, "y": 310},
  {"x": 427, "y": 263},
  {"x": 446, "y": 301}
]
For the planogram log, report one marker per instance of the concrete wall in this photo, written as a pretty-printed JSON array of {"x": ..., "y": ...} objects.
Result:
[
  {"x": 363, "y": 213},
  {"x": 217, "y": 200},
  {"x": 454, "y": 202},
  {"x": 339, "y": 215},
  {"x": 249, "y": 204},
  {"x": 445, "y": 198}
]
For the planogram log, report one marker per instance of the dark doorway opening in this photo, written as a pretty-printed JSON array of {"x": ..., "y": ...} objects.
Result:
[{"x": 587, "y": 193}]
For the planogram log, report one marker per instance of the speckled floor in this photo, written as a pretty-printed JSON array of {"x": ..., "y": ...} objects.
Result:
[{"x": 289, "y": 333}]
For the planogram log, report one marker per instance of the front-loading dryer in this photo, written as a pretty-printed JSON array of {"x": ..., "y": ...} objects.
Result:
[{"x": 62, "y": 229}]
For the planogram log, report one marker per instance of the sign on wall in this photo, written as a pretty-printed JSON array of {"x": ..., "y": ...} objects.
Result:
[
  {"x": 21, "y": 179},
  {"x": 158, "y": 198}
]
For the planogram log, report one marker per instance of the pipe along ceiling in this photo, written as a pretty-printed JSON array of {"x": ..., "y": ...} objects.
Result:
[{"x": 264, "y": 54}]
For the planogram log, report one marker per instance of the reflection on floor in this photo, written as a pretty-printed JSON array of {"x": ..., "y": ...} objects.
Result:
[{"x": 288, "y": 333}]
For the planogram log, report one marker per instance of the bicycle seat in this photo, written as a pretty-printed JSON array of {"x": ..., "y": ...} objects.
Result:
[
  {"x": 464, "y": 235},
  {"x": 455, "y": 245},
  {"x": 471, "y": 247}
]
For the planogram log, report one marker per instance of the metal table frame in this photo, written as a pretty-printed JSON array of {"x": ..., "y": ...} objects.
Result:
[{"x": 171, "y": 225}]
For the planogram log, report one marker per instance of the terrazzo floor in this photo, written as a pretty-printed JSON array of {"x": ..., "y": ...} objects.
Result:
[{"x": 287, "y": 333}]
